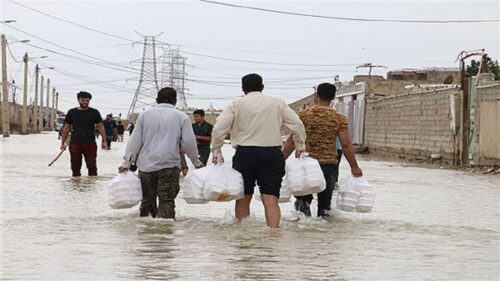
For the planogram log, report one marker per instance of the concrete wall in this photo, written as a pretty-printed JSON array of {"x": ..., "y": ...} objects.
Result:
[
  {"x": 412, "y": 126},
  {"x": 487, "y": 126}
]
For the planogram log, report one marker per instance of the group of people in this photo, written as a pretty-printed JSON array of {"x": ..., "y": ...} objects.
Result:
[
  {"x": 163, "y": 134},
  {"x": 114, "y": 130}
]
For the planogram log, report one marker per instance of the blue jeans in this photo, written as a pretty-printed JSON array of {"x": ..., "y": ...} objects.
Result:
[{"x": 324, "y": 197}]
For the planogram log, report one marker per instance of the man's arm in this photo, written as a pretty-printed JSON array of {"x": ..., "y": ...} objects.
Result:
[
  {"x": 102, "y": 132},
  {"x": 348, "y": 151},
  {"x": 221, "y": 129},
  {"x": 188, "y": 142},
  {"x": 289, "y": 147},
  {"x": 292, "y": 121},
  {"x": 203, "y": 138},
  {"x": 64, "y": 135},
  {"x": 133, "y": 147}
]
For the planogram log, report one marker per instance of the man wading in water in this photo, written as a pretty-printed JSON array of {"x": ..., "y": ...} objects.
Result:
[
  {"x": 255, "y": 122},
  {"x": 154, "y": 147},
  {"x": 81, "y": 121}
]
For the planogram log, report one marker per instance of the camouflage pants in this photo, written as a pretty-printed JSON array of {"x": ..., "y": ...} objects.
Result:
[{"x": 163, "y": 184}]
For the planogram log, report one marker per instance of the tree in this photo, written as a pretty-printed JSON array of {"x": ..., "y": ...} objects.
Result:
[{"x": 473, "y": 68}]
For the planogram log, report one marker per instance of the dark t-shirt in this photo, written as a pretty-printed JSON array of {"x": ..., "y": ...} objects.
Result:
[
  {"x": 82, "y": 124},
  {"x": 204, "y": 129},
  {"x": 109, "y": 126},
  {"x": 121, "y": 129}
]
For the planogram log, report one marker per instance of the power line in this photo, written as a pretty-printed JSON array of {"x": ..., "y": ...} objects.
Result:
[
  {"x": 265, "y": 62},
  {"x": 85, "y": 78},
  {"x": 348, "y": 18},
  {"x": 10, "y": 52},
  {"x": 101, "y": 64},
  {"x": 68, "y": 49},
  {"x": 72, "y": 23}
]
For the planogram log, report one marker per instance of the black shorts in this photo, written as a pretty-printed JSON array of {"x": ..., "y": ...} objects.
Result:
[{"x": 264, "y": 165}]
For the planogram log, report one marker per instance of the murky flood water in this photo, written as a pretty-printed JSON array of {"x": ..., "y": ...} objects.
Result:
[{"x": 427, "y": 224}]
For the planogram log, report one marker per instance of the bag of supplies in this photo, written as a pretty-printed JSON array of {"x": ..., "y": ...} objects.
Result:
[
  {"x": 304, "y": 176},
  {"x": 124, "y": 191},
  {"x": 222, "y": 184},
  {"x": 357, "y": 194},
  {"x": 192, "y": 190}
]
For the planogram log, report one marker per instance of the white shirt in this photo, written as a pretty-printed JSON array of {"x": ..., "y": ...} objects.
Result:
[
  {"x": 158, "y": 134},
  {"x": 256, "y": 120}
]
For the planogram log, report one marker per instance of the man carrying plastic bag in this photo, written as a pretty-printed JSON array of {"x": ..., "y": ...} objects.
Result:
[
  {"x": 255, "y": 122},
  {"x": 323, "y": 124},
  {"x": 154, "y": 147}
]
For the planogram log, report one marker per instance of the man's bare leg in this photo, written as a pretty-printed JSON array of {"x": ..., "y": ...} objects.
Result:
[
  {"x": 242, "y": 207},
  {"x": 272, "y": 209}
]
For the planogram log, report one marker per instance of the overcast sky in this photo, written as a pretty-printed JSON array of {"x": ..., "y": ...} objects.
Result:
[{"x": 287, "y": 44}]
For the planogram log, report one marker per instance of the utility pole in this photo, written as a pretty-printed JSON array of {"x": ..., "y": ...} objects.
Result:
[
  {"x": 40, "y": 116},
  {"x": 52, "y": 111},
  {"x": 57, "y": 101},
  {"x": 5, "y": 91},
  {"x": 47, "y": 105},
  {"x": 24, "y": 115},
  {"x": 35, "y": 106},
  {"x": 465, "y": 111}
]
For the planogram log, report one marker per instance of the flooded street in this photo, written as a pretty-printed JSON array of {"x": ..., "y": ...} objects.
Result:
[{"x": 427, "y": 224}]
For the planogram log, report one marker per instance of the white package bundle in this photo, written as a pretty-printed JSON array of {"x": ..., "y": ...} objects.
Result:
[
  {"x": 222, "y": 184},
  {"x": 124, "y": 191},
  {"x": 192, "y": 190},
  {"x": 304, "y": 176}
]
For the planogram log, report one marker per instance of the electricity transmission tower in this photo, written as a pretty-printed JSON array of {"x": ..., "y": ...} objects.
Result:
[
  {"x": 147, "y": 89},
  {"x": 174, "y": 74}
]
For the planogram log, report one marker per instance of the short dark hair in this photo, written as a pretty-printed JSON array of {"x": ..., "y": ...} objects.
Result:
[
  {"x": 252, "y": 82},
  {"x": 200, "y": 112},
  {"x": 326, "y": 91},
  {"x": 167, "y": 95},
  {"x": 83, "y": 95}
]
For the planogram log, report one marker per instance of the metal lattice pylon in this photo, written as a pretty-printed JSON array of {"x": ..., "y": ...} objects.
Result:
[
  {"x": 147, "y": 90},
  {"x": 173, "y": 74}
]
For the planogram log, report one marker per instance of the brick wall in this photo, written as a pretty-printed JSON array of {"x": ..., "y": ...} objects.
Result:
[{"x": 411, "y": 126}]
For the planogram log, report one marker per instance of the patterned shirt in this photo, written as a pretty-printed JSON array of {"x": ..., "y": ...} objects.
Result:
[{"x": 323, "y": 125}]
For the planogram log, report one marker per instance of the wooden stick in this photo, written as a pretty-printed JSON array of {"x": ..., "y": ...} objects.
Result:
[{"x": 57, "y": 157}]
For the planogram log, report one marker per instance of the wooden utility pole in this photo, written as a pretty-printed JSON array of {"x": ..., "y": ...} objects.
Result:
[
  {"x": 52, "y": 111},
  {"x": 57, "y": 102},
  {"x": 5, "y": 91},
  {"x": 47, "y": 106},
  {"x": 24, "y": 115},
  {"x": 40, "y": 117},
  {"x": 35, "y": 106}
]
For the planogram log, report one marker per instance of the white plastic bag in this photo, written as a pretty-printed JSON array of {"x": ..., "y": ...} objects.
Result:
[
  {"x": 223, "y": 183},
  {"x": 285, "y": 192},
  {"x": 304, "y": 176},
  {"x": 124, "y": 191},
  {"x": 357, "y": 194},
  {"x": 193, "y": 185}
]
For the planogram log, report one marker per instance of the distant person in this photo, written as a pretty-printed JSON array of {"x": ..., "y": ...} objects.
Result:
[
  {"x": 203, "y": 132},
  {"x": 121, "y": 130},
  {"x": 115, "y": 130},
  {"x": 338, "y": 145},
  {"x": 131, "y": 128},
  {"x": 81, "y": 122},
  {"x": 154, "y": 148},
  {"x": 323, "y": 124},
  {"x": 255, "y": 122},
  {"x": 109, "y": 126}
]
